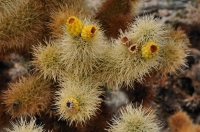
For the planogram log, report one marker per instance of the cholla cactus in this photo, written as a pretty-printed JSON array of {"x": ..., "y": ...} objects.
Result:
[
  {"x": 25, "y": 126},
  {"x": 59, "y": 17},
  {"x": 181, "y": 122},
  {"x": 78, "y": 101},
  {"x": 174, "y": 57},
  {"x": 135, "y": 120},
  {"x": 115, "y": 15},
  {"x": 140, "y": 51},
  {"x": 28, "y": 97},
  {"x": 47, "y": 60},
  {"x": 174, "y": 53},
  {"x": 80, "y": 59},
  {"x": 135, "y": 53},
  {"x": 21, "y": 26},
  {"x": 8, "y": 6},
  {"x": 80, "y": 54},
  {"x": 148, "y": 29},
  {"x": 197, "y": 128}
]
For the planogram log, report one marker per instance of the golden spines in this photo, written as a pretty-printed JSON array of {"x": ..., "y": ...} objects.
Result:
[
  {"x": 29, "y": 96},
  {"x": 23, "y": 125},
  {"x": 135, "y": 120},
  {"x": 78, "y": 101},
  {"x": 46, "y": 60},
  {"x": 180, "y": 122}
]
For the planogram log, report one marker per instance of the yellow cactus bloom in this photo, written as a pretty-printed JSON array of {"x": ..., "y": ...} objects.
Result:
[
  {"x": 89, "y": 32},
  {"x": 150, "y": 50},
  {"x": 70, "y": 105},
  {"x": 74, "y": 26}
]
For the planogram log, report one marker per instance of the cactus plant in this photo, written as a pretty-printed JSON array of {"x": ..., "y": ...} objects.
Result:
[
  {"x": 81, "y": 56},
  {"x": 27, "y": 97},
  {"x": 135, "y": 120},
  {"x": 78, "y": 101},
  {"x": 21, "y": 26}
]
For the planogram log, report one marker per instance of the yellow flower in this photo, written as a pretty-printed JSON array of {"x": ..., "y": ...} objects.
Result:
[
  {"x": 89, "y": 32},
  {"x": 74, "y": 26},
  {"x": 150, "y": 50},
  {"x": 70, "y": 105}
]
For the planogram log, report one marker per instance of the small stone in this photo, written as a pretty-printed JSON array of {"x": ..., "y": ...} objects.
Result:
[{"x": 163, "y": 12}]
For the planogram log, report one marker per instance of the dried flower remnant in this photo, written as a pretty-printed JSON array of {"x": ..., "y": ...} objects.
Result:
[
  {"x": 89, "y": 32},
  {"x": 133, "y": 48},
  {"x": 150, "y": 50},
  {"x": 74, "y": 26}
]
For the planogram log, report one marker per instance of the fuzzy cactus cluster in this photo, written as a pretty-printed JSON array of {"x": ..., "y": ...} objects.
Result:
[
  {"x": 181, "y": 122},
  {"x": 76, "y": 54}
]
